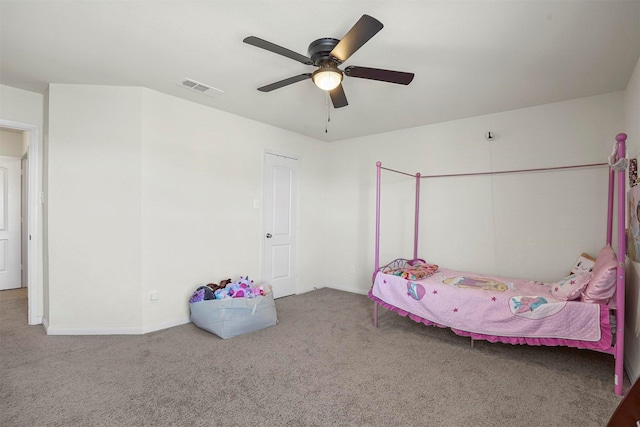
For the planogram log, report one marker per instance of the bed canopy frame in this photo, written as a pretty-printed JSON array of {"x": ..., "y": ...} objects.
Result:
[{"x": 617, "y": 168}]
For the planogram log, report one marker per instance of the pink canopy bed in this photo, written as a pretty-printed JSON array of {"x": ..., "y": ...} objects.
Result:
[{"x": 584, "y": 310}]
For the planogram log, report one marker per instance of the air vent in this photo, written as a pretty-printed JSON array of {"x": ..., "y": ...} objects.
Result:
[{"x": 200, "y": 87}]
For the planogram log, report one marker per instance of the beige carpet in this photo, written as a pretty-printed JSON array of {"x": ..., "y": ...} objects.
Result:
[{"x": 324, "y": 364}]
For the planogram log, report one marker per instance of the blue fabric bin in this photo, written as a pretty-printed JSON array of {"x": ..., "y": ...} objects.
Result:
[{"x": 231, "y": 317}]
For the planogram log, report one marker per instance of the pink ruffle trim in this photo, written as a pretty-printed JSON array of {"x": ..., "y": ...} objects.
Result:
[{"x": 603, "y": 345}]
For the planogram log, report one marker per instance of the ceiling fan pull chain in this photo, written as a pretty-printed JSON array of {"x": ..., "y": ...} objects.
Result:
[{"x": 326, "y": 126}]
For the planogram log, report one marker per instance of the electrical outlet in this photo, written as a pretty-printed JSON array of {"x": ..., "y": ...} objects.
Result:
[{"x": 153, "y": 296}]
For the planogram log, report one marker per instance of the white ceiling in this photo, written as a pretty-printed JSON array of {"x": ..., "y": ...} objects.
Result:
[{"x": 469, "y": 58}]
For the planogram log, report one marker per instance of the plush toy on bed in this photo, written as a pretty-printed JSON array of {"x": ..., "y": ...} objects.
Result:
[
  {"x": 416, "y": 270},
  {"x": 584, "y": 264}
]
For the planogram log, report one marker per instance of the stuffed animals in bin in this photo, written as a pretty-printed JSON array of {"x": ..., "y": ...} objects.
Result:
[{"x": 241, "y": 288}]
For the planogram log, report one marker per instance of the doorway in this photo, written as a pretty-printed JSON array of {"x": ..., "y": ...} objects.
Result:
[
  {"x": 280, "y": 220},
  {"x": 30, "y": 203},
  {"x": 11, "y": 196}
]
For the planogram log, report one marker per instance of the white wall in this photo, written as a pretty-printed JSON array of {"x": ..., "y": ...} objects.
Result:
[
  {"x": 201, "y": 171},
  {"x": 148, "y": 192},
  {"x": 533, "y": 225},
  {"x": 632, "y": 303},
  {"x": 26, "y": 107},
  {"x": 94, "y": 209}
]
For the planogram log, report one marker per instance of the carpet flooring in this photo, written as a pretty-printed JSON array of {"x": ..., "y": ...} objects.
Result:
[{"x": 323, "y": 364}]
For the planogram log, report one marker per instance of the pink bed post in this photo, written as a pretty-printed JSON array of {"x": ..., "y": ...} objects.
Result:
[
  {"x": 377, "y": 256},
  {"x": 610, "y": 206},
  {"x": 621, "y": 138},
  {"x": 415, "y": 228}
]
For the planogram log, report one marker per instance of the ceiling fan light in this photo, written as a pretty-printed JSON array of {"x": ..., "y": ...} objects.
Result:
[{"x": 327, "y": 78}]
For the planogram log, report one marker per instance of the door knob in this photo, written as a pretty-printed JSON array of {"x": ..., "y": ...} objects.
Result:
[{"x": 269, "y": 235}]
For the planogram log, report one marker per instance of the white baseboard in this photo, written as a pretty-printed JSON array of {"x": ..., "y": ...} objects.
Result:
[
  {"x": 114, "y": 331},
  {"x": 349, "y": 289},
  {"x": 305, "y": 290},
  {"x": 94, "y": 331},
  {"x": 166, "y": 325}
]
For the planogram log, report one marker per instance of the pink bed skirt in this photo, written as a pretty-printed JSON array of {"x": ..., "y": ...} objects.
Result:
[{"x": 603, "y": 345}]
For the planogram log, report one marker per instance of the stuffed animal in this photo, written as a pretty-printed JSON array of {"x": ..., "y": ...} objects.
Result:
[
  {"x": 584, "y": 264},
  {"x": 214, "y": 287},
  {"x": 244, "y": 282},
  {"x": 197, "y": 296},
  {"x": 241, "y": 288},
  {"x": 222, "y": 293},
  {"x": 208, "y": 293},
  {"x": 222, "y": 284},
  {"x": 237, "y": 292},
  {"x": 256, "y": 291}
]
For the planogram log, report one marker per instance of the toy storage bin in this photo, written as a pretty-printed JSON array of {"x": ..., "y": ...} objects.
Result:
[{"x": 231, "y": 317}]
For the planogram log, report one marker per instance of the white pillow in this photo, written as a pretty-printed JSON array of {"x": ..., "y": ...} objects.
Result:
[{"x": 570, "y": 287}]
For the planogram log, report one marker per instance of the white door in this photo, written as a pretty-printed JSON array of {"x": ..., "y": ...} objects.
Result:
[
  {"x": 10, "y": 257},
  {"x": 280, "y": 207}
]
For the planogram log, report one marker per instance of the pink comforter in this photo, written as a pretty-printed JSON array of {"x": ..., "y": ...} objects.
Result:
[{"x": 489, "y": 306}]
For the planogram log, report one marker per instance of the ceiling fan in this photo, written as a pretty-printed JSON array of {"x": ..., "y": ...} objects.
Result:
[{"x": 329, "y": 53}]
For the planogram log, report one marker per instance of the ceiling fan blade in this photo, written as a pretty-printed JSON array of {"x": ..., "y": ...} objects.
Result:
[
  {"x": 389, "y": 76},
  {"x": 338, "y": 98},
  {"x": 358, "y": 35},
  {"x": 285, "y": 82},
  {"x": 263, "y": 44}
]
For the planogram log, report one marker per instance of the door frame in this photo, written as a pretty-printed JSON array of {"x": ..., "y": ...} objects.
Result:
[
  {"x": 35, "y": 287},
  {"x": 263, "y": 219}
]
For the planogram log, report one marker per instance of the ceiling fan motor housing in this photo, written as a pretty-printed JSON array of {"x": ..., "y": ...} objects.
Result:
[{"x": 320, "y": 52}]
